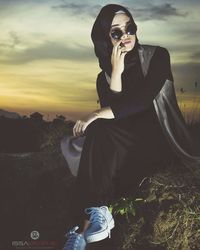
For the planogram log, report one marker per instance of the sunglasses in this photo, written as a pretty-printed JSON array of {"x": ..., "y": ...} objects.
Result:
[{"x": 117, "y": 33}]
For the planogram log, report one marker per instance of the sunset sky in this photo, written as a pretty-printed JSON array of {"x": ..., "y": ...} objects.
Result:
[{"x": 47, "y": 60}]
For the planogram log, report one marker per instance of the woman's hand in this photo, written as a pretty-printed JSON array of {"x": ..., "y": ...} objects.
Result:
[
  {"x": 81, "y": 125},
  {"x": 117, "y": 57}
]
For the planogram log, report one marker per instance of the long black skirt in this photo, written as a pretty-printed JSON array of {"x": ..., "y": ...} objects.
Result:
[{"x": 117, "y": 154}]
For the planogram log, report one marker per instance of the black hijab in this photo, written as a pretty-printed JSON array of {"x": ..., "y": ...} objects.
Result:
[{"x": 101, "y": 40}]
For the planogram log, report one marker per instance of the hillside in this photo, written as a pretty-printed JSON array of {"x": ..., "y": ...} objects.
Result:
[
  {"x": 8, "y": 114},
  {"x": 35, "y": 187}
]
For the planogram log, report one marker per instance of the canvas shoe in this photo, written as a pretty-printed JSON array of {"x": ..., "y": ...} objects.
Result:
[
  {"x": 101, "y": 223},
  {"x": 75, "y": 240}
]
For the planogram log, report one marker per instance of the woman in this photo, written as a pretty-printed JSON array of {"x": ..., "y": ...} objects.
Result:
[{"x": 125, "y": 139}]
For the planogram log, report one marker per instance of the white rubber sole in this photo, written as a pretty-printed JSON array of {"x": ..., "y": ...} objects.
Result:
[{"x": 101, "y": 235}]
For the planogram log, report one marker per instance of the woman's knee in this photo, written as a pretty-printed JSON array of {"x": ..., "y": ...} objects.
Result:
[{"x": 96, "y": 126}]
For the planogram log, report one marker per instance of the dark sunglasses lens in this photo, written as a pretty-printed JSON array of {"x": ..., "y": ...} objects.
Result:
[
  {"x": 116, "y": 34},
  {"x": 131, "y": 29}
]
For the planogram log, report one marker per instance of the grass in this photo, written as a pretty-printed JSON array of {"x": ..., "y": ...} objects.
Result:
[
  {"x": 168, "y": 216},
  {"x": 191, "y": 109}
]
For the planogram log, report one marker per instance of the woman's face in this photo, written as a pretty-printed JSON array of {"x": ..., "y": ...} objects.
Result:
[{"x": 120, "y": 20}]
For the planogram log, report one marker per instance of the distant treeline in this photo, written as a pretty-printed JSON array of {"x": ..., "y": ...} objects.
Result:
[{"x": 31, "y": 134}]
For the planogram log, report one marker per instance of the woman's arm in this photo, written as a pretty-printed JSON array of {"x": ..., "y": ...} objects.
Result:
[
  {"x": 105, "y": 94},
  {"x": 117, "y": 61},
  {"x": 82, "y": 124},
  {"x": 159, "y": 71},
  {"x": 105, "y": 112},
  {"x": 116, "y": 82}
]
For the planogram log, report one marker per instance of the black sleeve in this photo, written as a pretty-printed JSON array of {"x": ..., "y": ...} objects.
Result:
[
  {"x": 159, "y": 71},
  {"x": 105, "y": 94}
]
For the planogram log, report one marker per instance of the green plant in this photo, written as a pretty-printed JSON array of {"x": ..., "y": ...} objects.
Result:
[{"x": 125, "y": 207}]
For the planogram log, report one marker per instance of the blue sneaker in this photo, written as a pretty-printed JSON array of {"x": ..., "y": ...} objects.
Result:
[
  {"x": 101, "y": 223},
  {"x": 75, "y": 240}
]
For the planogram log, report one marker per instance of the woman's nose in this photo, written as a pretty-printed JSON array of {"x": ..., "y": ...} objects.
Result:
[{"x": 124, "y": 36}]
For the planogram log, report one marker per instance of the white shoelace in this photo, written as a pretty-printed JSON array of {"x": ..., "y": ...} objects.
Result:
[{"x": 96, "y": 215}]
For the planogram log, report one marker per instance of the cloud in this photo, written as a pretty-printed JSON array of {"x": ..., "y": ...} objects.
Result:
[
  {"x": 13, "y": 40},
  {"x": 7, "y": 3},
  {"x": 196, "y": 55},
  {"x": 79, "y": 9},
  {"x": 184, "y": 48},
  {"x": 158, "y": 12},
  {"x": 150, "y": 12},
  {"x": 186, "y": 74},
  {"x": 9, "y": 7},
  {"x": 51, "y": 50},
  {"x": 191, "y": 68}
]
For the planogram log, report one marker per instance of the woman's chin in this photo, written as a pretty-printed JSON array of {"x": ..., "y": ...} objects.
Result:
[{"x": 129, "y": 48}]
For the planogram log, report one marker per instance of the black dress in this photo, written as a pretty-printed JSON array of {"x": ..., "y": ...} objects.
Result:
[{"x": 118, "y": 153}]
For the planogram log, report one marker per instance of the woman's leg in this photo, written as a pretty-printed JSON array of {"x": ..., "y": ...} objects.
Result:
[
  {"x": 114, "y": 150},
  {"x": 152, "y": 153},
  {"x": 104, "y": 150}
]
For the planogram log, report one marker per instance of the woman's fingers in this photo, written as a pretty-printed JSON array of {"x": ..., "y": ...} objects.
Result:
[
  {"x": 123, "y": 53},
  {"x": 75, "y": 128},
  {"x": 122, "y": 56},
  {"x": 78, "y": 128},
  {"x": 117, "y": 57},
  {"x": 116, "y": 47},
  {"x": 120, "y": 50},
  {"x": 84, "y": 127},
  {"x": 117, "y": 44},
  {"x": 81, "y": 128}
]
